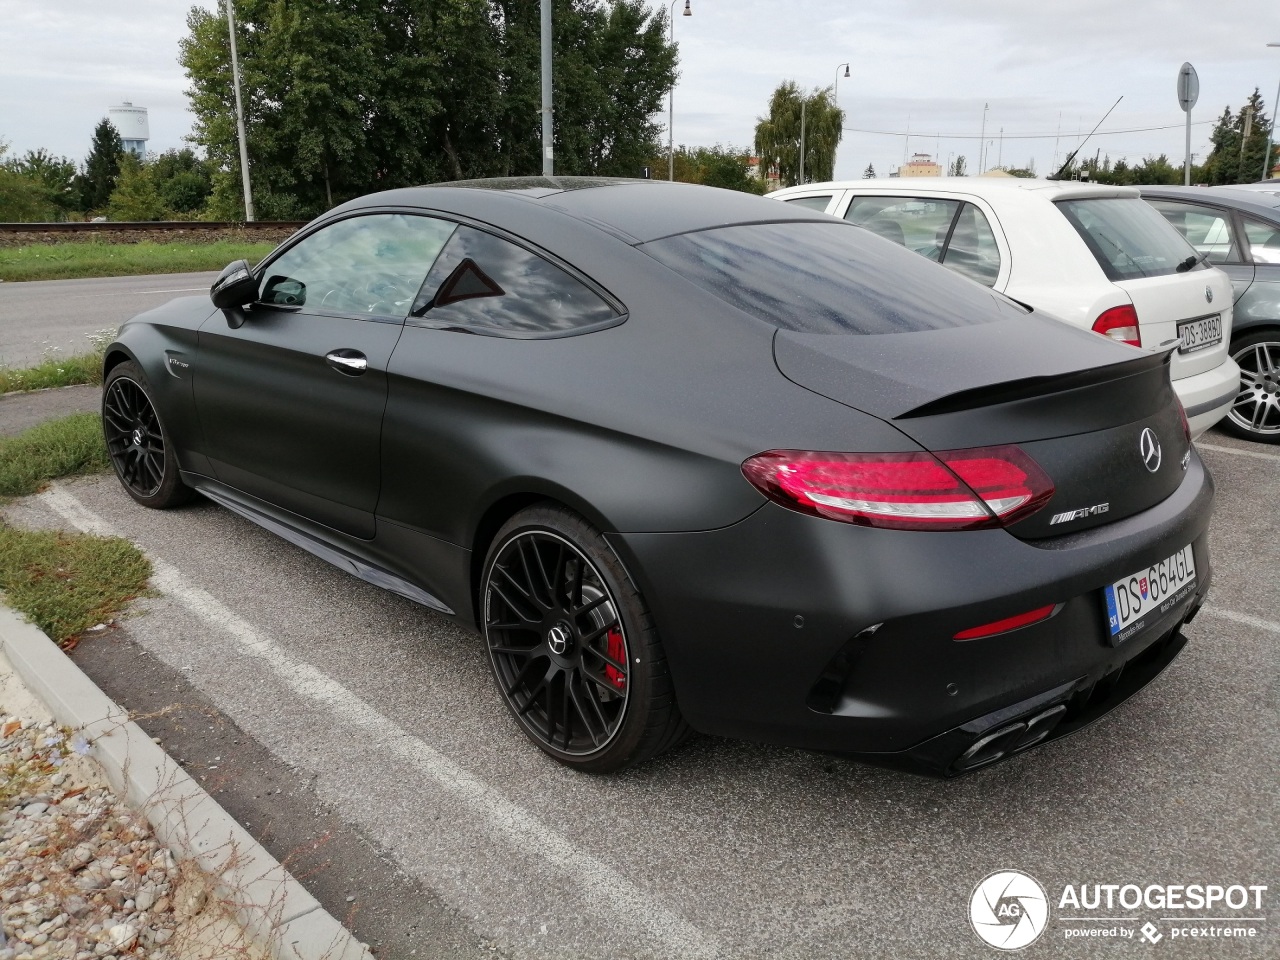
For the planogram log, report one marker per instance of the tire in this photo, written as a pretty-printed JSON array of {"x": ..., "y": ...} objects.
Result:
[
  {"x": 572, "y": 645},
  {"x": 137, "y": 442},
  {"x": 1255, "y": 414}
]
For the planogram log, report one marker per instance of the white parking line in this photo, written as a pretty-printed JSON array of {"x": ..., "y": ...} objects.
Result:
[
  {"x": 613, "y": 894},
  {"x": 1242, "y": 618},
  {"x": 1256, "y": 454}
]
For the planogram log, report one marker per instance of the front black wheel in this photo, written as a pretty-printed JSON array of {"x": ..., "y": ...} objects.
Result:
[
  {"x": 1255, "y": 414},
  {"x": 137, "y": 443},
  {"x": 572, "y": 645}
]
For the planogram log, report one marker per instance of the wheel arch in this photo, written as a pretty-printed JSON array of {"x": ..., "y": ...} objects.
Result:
[{"x": 506, "y": 504}]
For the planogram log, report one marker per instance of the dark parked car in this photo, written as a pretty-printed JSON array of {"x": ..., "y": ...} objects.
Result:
[
  {"x": 1239, "y": 231},
  {"x": 691, "y": 459}
]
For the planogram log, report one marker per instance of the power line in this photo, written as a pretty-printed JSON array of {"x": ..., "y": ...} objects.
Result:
[{"x": 1025, "y": 136}]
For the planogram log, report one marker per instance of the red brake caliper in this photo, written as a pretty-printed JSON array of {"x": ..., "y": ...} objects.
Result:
[{"x": 617, "y": 650}]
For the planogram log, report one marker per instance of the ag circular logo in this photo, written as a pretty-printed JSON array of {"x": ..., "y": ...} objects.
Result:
[{"x": 1008, "y": 910}]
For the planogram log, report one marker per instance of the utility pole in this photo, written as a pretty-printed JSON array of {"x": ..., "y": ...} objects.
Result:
[
  {"x": 982, "y": 140},
  {"x": 548, "y": 141},
  {"x": 1000, "y": 155},
  {"x": 235, "y": 79},
  {"x": 803, "y": 99}
]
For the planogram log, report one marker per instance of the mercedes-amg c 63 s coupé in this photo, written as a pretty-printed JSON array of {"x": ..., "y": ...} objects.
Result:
[{"x": 689, "y": 459}]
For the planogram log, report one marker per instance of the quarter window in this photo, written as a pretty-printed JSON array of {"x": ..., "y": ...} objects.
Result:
[
  {"x": 917, "y": 223},
  {"x": 485, "y": 284},
  {"x": 1205, "y": 229},
  {"x": 972, "y": 249},
  {"x": 1263, "y": 240},
  {"x": 369, "y": 266},
  {"x": 812, "y": 203}
]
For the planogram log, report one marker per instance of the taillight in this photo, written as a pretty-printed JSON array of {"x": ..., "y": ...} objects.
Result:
[
  {"x": 1186, "y": 424},
  {"x": 1016, "y": 622},
  {"x": 946, "y": 490},
  {"x": 1119, "y": 323}
]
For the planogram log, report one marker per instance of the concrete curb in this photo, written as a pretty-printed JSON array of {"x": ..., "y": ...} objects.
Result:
[{"x": 275, "y": 910}]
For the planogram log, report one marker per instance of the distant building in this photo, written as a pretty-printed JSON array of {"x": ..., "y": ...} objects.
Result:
[
  {"x": 921, "y": 165},
  {"x": 132, "y": 125}
]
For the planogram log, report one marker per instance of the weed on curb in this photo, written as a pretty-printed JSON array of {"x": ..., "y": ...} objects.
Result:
[{"x": 64, "y": 447}]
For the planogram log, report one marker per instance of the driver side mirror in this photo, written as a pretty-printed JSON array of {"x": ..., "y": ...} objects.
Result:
[{"x": 235, "y": 287}]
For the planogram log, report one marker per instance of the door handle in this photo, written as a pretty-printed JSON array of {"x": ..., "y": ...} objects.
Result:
[{"x": 350, "y": 362}]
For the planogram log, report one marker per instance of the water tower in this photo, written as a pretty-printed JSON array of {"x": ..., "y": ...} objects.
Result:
[{"x": 131, "y": 123}]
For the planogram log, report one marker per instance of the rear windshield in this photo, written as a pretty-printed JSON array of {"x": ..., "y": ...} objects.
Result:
[
  {"x": 815, "y": 277},
  {"x": 1127, "y": 237}
]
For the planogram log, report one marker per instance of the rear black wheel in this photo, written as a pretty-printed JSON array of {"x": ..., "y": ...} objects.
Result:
[
  {"x": 137, "y": 443},
  {"x": 572, "y": 645},
  {"x": 1255, "y": 414}
]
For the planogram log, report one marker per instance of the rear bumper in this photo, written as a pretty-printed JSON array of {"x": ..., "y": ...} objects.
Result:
[
  {"x": 768, "y": 624},
  {"x": 1207, "y": 396}
]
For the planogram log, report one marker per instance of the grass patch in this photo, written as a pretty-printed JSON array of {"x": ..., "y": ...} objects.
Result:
[
  {"x": 60, "y": 371},
  {"x": 56, "y": 448},
  {"x": 66, "y": 583},
  {"x": 62, "y": 261},
  {"x": 65, "y": 372}
]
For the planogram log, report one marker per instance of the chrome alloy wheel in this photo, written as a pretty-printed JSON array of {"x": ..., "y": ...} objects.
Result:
[
  {"x": 558, "y": 646},
  {"x": 135, "y": 441},
  {"x": 1256, "y": 409}
]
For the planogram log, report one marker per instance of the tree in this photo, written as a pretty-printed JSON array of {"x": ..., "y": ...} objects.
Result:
[
  {"x": 135, "y": 197},
  {"x": 182, "y": 180},
  {"x": 55, "y": 174},
  {"x": 778, "y": 135},
  {"x": 101, "y": 167},
  {"x": 718, "y": 166},
  {"x": 869, "y": 173},
  {"x": 958, "y": 168},
  {"x": 1236, "y": 158},
  {"x": 347, "y": 96},
  {"x": 23, "y": 199}
]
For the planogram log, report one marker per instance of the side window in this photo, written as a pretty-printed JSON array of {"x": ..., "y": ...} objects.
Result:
[
  {"x": 484, "y": 283},
  {"x": 366, "y": 266},
  {"x": 972, "y": 250},
  {"x": 1205, "y": 229},
  {"x": 1263, "y": 240},
  {"x": 917, "y": 223},
  {"x": 812, "y": 203}
]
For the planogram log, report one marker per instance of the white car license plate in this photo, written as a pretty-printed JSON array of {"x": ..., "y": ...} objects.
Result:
[
  {"x": 1199, "y": 333},
  {"x": 1156, "y": 589}
]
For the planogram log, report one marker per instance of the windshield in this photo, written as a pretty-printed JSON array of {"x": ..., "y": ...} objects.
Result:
[
  {"x": 1127, "y": 237},
  {"x": 815, "y": 277}
]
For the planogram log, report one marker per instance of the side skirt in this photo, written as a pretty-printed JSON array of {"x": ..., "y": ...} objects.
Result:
[{"x": 356, "y": 566}]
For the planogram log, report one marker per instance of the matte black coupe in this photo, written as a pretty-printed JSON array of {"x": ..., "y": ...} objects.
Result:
[{"x": 691, "y": 460}]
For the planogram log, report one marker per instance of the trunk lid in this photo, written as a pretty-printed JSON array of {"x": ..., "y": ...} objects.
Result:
[
  {"x": 1076, "y": 403},
  {"x": 1164, "y": 302}
]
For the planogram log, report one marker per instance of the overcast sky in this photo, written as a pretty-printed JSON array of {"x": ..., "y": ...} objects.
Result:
[{"x": 924, "y": 67}]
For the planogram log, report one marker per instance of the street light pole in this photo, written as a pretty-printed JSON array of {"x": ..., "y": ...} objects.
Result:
[
  {"x": 548, "y": 136},
  {"x": 836, "y": 96},
  {"x": 235, "y": 79},
  {"x": 1271, "y": 137},
  {"x": 803, "y": 98},
  {"x": 671, "y": 94}
]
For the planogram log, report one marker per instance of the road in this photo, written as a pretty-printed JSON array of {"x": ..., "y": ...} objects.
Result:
[
  {"x": 57, "y": 316},
  {"x": 452, "y": 836}
]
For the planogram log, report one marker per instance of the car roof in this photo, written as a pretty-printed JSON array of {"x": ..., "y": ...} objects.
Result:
[
  {"x": 1250, "y": 201},
  {"x": 635, "y": 211},
  {"x": 977, "y": 186}
]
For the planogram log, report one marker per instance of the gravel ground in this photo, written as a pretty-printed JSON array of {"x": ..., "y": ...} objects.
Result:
[{"x": 81, "y": 875}]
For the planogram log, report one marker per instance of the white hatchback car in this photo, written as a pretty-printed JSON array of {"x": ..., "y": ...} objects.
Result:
[{"x": 1095, "y": 256}]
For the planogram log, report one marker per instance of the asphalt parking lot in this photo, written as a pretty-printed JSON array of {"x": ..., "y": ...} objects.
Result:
[{"x": 444, "y": 833}]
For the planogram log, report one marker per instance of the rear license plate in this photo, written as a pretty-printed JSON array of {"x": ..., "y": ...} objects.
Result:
[
  {"x": 1200, "y": 333},
  {"x": 1153, "y": 591}
]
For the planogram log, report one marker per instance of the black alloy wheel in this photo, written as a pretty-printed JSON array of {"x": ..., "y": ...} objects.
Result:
[
  {"x": 136, "y": 441},
  {"x": 1255, "y": 414},
  {"x": 572, "y": 646}
]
